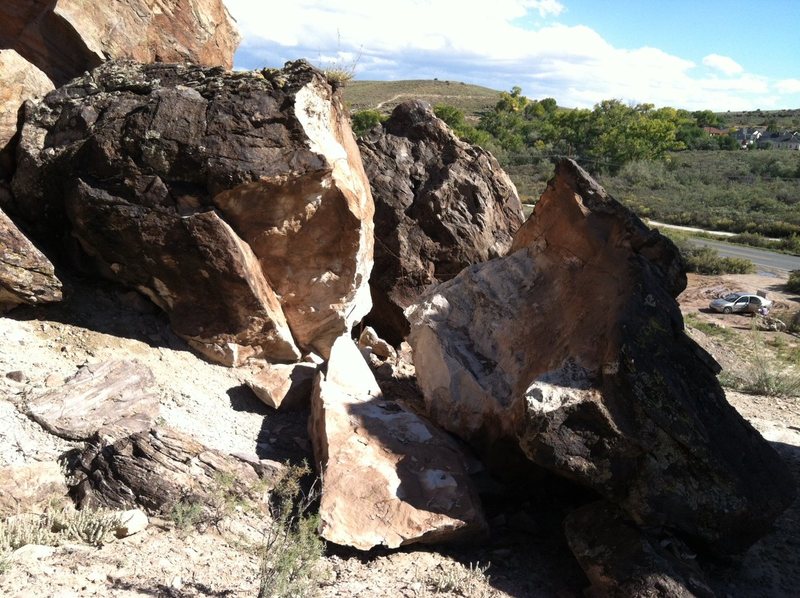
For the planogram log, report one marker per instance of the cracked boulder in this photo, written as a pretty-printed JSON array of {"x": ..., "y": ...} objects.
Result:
[
  {"x": 390, "y": 478},
  {"x": 572, "y": 347},
  {"x": 440, "y": 205},
  {"x": 236, "y": 201}
]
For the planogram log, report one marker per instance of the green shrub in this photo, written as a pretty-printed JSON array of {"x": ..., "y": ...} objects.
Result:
[
  {"x": 793, "y": 284},
  {"x": 705, "y": 260},
  {"x": 365, "y": 120}
]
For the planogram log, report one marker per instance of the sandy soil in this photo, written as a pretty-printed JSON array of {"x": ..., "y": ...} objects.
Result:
[{"x": 526, "y": 550}]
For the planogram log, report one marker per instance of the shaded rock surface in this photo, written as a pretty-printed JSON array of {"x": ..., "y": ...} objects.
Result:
[
  {"x": 157, "y": 469},
  {"x": 390, "y": 478},
  {"x": 30, "y": 488},
  {"x": 26, "y": 275},
  {"x": 21, "y": 81},
  {"x": 573, "y": 346},
  {"x": 440, "y": 205},
  {"x": 236, "y": 201},
  {"x": 64, "y": 38},
  {"x": 115, "y": 398},
  {"x": 622, "y": 561},
  {"x": 284, "y": 386}
]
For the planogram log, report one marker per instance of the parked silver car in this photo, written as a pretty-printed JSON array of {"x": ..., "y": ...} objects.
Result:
[{"x": 740, "y": 303}]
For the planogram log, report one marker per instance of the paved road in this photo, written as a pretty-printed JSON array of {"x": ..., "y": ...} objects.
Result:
[{"x": 760, "y": 257}]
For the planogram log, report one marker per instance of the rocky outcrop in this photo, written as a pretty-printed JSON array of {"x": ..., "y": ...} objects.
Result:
[
  {"x": 390, "y": 478},
  {"x": 113, "y": 398},
  {"x": 622, "y": 561},
  {"x": 31, "y": 488},
  {"x": 573, "y": 347},
  {"x": 440, "y": 205},
  {"x": 157, "y": 469},
  {"x": 65, "y": 38},
  {"x": 21, "y": 81},
  {"x": 236, "y": 201},
  {"x": 26, "y": 275}
]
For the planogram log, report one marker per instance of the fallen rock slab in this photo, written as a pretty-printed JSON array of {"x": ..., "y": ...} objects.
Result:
[
  {"x": 115, "y": 398},
  {"x": 620, "y": 560},
  {"x": 284, "y": 386},
  {"x": 242, "y": 210},
  {"x": 390, "y": 478},
  {"x": 157, "y": 469},
  {"x": 131, "y": 522},
  {"x": 440, "y": 205},
  {"x": 573, "y": 348},
  {"x": 31, "y": 488},
  {"x": 26, "y": 275},
  {"x": 65, "y": 38}
]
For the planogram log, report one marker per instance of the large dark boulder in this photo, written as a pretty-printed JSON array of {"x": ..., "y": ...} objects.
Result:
[
  {"x": 573, "y": 347},
  {"x": 236, "y": 201},
  {"x": 440, "y": 205}
]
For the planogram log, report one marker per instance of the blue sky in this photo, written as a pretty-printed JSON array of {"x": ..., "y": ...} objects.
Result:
[{"x": 720, "y": 55}]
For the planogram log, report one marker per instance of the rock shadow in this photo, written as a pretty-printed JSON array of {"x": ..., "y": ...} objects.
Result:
[{"x": 284, "y": 437}]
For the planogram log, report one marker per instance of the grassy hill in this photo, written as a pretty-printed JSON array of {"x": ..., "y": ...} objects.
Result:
[
  {"x": 473, "y": 100},
  {"x": 782, "y": 119}
]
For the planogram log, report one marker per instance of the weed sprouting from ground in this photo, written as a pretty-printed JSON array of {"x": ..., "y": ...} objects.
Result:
[
  {"x": 469, "y": 581},
  {"x": 292, "y": 549}
]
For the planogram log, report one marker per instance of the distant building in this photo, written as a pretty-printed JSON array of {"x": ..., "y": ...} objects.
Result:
[
  {"x": 748, "y": 136},
  {"x": 787, "y": 140},
  {"x": 715, "y": 132}
]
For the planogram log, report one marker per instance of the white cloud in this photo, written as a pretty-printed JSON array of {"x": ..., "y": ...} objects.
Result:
[
  {"x": 724, "y": 64},
  {"x": 788, "y": 86},
  {"x": 483, "y": 43}
]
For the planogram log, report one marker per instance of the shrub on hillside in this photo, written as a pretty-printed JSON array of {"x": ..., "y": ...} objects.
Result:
[
  {"x": 364, "y": 120},
  {"x": 705, "y": 260},
  {"x": 793, "y": 284}
]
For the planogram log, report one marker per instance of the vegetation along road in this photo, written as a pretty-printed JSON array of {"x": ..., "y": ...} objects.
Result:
[{"x": 760, "y": 257}]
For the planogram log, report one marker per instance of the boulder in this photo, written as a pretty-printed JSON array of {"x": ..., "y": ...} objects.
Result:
[
  {"x": 622, "y": 561},
  {"x": 112, "y": 397},
  {"x": 284, "y": 386},
  {"x": 64, "y": 38},
  {"x": 440, "y": 205},
  {"x": 131, "y": 522},
  {"x": 573, "y": 348},
  {"x": 156, "y": 470},
  {"x": 21, "y": 81},
  {"x": 26, "y": 275},
  {"x": 390, "y": 478},
  {"x": 31, "y": 488},
  {"x": 236, "y": 201}
]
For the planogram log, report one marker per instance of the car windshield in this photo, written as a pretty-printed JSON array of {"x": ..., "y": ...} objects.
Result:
[{"x": 732, "y": 297}]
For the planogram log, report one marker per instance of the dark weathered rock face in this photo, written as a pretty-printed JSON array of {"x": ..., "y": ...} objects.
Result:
[
  {"x": 26, "y": 275},
  {"x": 64, "y": 38},
  {"x": 440, "y": 205},
  {"x": 622, "y": 561},
  {"x": 236, "y": 201},
  {"x": 573, "y": 346}
]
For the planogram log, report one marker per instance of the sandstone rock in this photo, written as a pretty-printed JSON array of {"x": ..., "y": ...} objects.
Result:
[
  {"x": 389, "y": 477},
  {"x": 236, "y": 201},
  {"x": 440, "y": 205},
  {"x": 155, "y": 470},
  {"x": 64, "y": 38},
  {"x": 26, "y": 275},
  {"x": 284, "y": 386},
  {"x": 30, "y": 488},
  {"x": 573, "y": 347},
  {"x": 21, "y": 81},
  {"x": 369, "y": 339},
  {"x": 113, "y": 397},
  {"x": 622, "y": 561},
  {"x": 131, "y": 522}
]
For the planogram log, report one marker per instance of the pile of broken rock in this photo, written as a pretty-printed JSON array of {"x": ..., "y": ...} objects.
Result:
[{"x": 242, "y": 206}]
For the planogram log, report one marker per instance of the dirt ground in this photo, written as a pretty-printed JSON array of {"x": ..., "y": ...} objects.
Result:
[{"x": 526, "y": 550}]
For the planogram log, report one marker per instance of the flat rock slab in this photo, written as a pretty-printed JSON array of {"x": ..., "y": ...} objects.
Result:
[
  {"x": 113, "y": 397},
  {"x": 390, "y": 478},
  {"x": 26, "y": 275},
  {"x": 284, "y": 386},
  {"x": 30, "y": 488}
]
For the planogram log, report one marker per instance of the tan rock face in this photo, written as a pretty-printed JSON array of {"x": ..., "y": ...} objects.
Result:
[
  {"x": 284, "y": 386},
  {"x": 30, "y": 488},
  {"x": 389, "y": 477},
  {"x": 67, "y": 37},
  {"x": 21, "y": 81},
  {"x": 243, "y": 210},
  {"x": 573, "y": 348},
  {"x": 26, "y": 275}
]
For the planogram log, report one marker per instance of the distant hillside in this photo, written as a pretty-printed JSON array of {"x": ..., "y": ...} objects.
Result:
[
  {"x": 473, "y": 100},
  {"x": 781, "y": 119}
]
